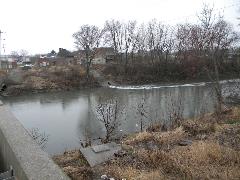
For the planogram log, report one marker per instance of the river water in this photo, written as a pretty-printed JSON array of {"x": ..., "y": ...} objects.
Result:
[{"x": 67, "y": 117}]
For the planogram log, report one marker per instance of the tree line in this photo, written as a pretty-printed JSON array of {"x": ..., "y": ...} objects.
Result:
[
  {"x": 210, "y": 38},
  {"x": 157, "y": 50}
]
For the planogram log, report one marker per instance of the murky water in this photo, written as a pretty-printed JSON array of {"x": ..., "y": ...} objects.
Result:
[{"x": 68, "y": 116}]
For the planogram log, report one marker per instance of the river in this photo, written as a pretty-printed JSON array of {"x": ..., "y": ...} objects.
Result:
[{"x": 68, "y": 116}]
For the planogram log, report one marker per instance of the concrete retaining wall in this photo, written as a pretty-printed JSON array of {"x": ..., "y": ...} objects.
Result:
[{"x": 17, "y": 149}]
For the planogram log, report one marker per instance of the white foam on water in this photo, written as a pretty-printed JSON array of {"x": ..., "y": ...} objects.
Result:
[{"x": 169, "y": 86}]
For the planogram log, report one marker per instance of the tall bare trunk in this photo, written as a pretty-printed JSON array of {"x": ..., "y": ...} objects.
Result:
[{"x": 218, "y": 88}]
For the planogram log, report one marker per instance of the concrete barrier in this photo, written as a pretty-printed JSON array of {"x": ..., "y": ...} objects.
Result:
[{"x": 18, "y": 149}]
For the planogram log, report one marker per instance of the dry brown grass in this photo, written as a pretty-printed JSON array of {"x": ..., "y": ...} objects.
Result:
[
  {"x": 118, "y": 172},
  {"x": 39, "y": 83},
  {"x": 74, "y": 165},
  {"x": 131, "y": 173},
  {"x": 207, "y": 160},
  {"x": 139, "y": 138},
  {"x": 200, "y": 126},
  {"x": 214, "y": 157},
  {"x": 204, "y": 159},
  {"x": 160, "y": 138},
  {"x": 228, "y": 135},
  {"x": 236, "y": 111},
  {"x": 156, "y": 127},
  {"x": 3, "y": 73},
  {"x": 170, "y": 137},
  {"x": 161, "y": 159},
  {"x": 233, "y": 117},
  {"x": 201, "y": 160},
  {"x": 54, "y": 78},
  {"x": 153, "y": 175}
]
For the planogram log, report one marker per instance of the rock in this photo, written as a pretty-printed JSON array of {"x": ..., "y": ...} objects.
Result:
[
  {"x": 104, "y": 177},
  {"x": 120, "y": 154},
  {"x": 94, "y": 158},
  {"x": 185, "y": 143}
]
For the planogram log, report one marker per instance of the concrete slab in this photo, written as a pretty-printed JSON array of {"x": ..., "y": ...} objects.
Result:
[
  {"x": 98, "y": 154},
  {"x": 100, "y": 148}
]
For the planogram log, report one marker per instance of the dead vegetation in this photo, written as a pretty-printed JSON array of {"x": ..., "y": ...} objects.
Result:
[
  {"x": 52, "y": 78},
  {"x": 55, "y": 77},
  {"x": 213, "y": 151},
  {"x": 74, "y": 165}
]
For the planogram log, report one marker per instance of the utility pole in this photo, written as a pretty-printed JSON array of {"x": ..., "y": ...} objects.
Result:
[{"x": 0, "y": 42}]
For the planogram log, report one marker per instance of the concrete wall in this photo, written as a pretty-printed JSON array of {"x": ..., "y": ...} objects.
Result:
[{"x": 17, "y": 149}]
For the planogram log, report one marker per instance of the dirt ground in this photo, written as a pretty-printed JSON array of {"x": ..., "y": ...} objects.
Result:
[{"x": 202, "y": 148}]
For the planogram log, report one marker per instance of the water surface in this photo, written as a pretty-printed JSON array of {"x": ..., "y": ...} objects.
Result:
[{"x": 67, "y": 117}]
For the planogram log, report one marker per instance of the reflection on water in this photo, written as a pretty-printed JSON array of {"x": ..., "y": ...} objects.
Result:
[{"x": 68, "y": 116}]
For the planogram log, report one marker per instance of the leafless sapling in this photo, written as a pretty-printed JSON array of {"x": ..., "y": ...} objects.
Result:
[
  {"x": 40, "y": 138},
  {"x": 109, "y": 114}
]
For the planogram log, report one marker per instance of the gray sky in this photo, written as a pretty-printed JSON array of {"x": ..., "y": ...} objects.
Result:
[{"x": 39, "y": 26}]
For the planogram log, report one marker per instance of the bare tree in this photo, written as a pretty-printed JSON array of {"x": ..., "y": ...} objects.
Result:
[
  {"x": 86, "y": 140},
  {"x": 19, "y": 55},
  {"x": 129, "y": 34},
  {"x": 114, "y": 35},
  {"x": 192, "y": 48},
  {"x": 175, "y": 109},
  {"x": 140, "y": 40},
  {"x": 109, "y": 113},
  {"x": 210, "y": 40},
  {"x": 23, "y": 52},
  {"x": 14, "y": 54},
  {"x": 88, "y": 38},
  {"x": 142, "y": 112},
  {"x": 40, "y": 138},
  {"x": 218, "y": 36},
  {"x": 151, "y": 39}
]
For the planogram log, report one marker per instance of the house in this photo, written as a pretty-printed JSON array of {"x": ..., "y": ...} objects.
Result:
[
  {"x": 102, "y": 55},
  {"x": 62, "y": 58},
  {"x": 7, "y": 62},
  {"x": 4, "y": 64},
  {"x": 53, "y": 61},
  {"x": 79, "y": 56},
  {"x": 43, "y": 62},
  {"x": 64, "y": 53}
]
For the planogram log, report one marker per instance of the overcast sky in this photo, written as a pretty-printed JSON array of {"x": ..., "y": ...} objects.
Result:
[{"x": 39, "y": 26}]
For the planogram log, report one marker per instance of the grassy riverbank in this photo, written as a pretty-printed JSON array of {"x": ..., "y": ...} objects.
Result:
[
  {"x": 56, "y": 78},
  {"x": 204, "y": 148},
  {"x": 64, "y": 78}
]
